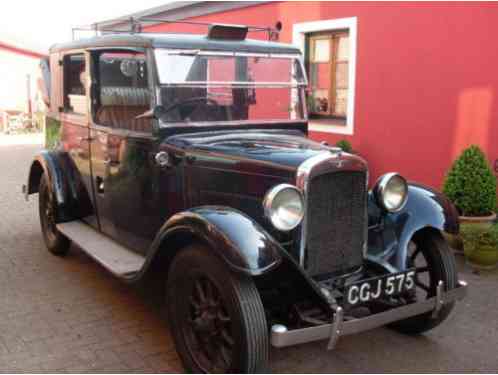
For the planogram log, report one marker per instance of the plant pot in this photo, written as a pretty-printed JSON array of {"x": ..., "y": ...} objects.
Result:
[
  {"x": 455, "y": 242},
  {"x": 486, "y": 262},
  {"x": 484, "y": 257},
  {"x": 478, "y": 219}
]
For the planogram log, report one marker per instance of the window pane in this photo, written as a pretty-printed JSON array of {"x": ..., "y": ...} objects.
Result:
[
  {"x": 322, "y": 50},
  {"x": 74, "y": 84},
  {"x": 320, "y": 103},
  {"x": 215, "y": 69},
  {"x": 320, "y": 77},
  {"x": 229, "y": 103},
  {"x": 124, "y": 91},
  {"x": 329, "y": 74},
  {"x": 341, "y": 76},
  {"x": 341, "y": 102},
  {"x": 343, "y": 48}
]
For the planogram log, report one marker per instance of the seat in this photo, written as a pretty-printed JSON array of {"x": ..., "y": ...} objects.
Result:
[{"x": 121, "y": 105}]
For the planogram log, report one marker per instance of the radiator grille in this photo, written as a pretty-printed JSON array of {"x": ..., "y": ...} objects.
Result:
[{"x": 336, "y": 223}]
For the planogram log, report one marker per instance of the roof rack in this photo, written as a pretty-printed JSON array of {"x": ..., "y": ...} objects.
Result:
[{"x": 134, "y": 25}]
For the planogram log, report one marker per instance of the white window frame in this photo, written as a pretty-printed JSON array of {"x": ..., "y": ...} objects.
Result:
[{"x": 299, "y": 32}]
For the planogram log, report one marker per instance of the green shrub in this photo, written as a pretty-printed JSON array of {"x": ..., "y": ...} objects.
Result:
[
  {"x": 345, "y": 145},
  {"x": 470, "y": 183}
]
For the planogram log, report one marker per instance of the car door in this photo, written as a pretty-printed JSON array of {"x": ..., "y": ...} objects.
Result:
[
  {"x": 73, "y": 130},
  {"x": 123, "y": 169}
]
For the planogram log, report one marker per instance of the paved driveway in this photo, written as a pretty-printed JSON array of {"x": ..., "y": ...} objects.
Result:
[{"x": 68, "y": 314}]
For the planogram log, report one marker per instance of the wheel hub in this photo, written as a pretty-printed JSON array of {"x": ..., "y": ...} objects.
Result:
[{"x": 210, "y": 325}]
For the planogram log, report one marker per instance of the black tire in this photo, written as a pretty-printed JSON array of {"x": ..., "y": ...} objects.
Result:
[
  {"x": 440, "y": 265},
  {"x": 220, "y": 327},
  {"x": 56, "y": 242}
]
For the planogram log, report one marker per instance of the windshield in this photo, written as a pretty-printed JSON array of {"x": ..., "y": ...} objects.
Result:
[{"x": 207, "y": 87}]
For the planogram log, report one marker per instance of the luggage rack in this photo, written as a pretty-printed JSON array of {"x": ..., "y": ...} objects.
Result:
[{"x": 135, "y": 25}]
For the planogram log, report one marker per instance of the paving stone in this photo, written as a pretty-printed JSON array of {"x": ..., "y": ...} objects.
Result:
[{"x": 69, "y": 315}]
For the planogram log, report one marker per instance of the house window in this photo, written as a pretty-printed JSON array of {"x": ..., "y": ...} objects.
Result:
[
  {"x": 329, "y": 47},
  {"x": 328, "y": 65}
]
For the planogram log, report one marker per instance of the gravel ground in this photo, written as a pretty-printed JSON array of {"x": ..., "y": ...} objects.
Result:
[{"x": 69, "y": 315}]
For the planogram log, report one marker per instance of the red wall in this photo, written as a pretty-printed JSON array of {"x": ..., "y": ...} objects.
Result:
[{"x": 426, "y": 78}]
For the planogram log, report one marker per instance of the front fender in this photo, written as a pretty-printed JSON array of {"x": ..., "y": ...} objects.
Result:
[
  {"x": 72, "y": 199},
  {"x": 242, "y": 243},
  {"x": 425, "y": 208}
]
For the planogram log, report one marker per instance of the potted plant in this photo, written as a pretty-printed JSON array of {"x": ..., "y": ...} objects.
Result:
[
  {"x": 345, "y": 146},
  {"x": 471, "y": 186},
  {"x": 480, "y": 245}
]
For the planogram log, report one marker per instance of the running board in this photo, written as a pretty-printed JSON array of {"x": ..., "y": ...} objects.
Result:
[{"x": 116, "y": 258}]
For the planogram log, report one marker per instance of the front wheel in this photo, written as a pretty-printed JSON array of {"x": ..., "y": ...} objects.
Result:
[
  {"x": 434, "y": 261},
  {"x": 216, "y": 316}
]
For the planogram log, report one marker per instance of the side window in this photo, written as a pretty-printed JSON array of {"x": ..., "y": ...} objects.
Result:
[
  {"x": 122, "y": 91},
  {"x": 74, "y": 84}
]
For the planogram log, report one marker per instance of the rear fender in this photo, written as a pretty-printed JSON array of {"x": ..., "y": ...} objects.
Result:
[{"x": 65, "y": 183}]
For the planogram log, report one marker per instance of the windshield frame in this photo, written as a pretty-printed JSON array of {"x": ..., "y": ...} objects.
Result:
[
  {"x": 296, "y": 57},
  {"x": 300, "y": 87}
]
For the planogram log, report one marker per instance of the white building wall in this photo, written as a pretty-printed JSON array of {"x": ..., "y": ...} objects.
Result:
[{"x": 14, "y": 69}]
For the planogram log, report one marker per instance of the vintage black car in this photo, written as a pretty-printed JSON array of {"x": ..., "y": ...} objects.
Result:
[{"x": 190, "y": 155}]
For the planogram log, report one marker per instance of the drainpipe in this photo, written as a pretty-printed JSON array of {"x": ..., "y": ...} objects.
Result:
[{"x": 28, "y": 94}]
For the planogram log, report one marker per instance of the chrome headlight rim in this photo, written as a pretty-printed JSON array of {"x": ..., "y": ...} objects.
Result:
[
  {"x": 381, "y": 187},
  {"x": 269, "y": 209}
]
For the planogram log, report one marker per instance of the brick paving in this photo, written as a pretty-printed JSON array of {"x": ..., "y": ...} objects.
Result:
[{"x": 69, "y": 315}]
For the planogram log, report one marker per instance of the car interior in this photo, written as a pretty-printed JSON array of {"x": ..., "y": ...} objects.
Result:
[{"x": 123, "y": 91}]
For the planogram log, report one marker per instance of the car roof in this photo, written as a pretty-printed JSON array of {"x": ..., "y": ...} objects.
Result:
[{"x": 176, "y": 41}]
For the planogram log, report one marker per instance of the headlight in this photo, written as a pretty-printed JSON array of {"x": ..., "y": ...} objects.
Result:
[
  {"x": 391, "y": 192},
  {"x": 284, "y": 206}
]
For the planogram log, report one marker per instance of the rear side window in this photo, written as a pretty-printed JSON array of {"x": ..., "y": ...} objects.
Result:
[
  {"x": 122, "y": 91},
  {"x": 75, "y": 75}
]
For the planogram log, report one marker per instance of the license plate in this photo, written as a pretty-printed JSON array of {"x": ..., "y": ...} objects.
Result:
[{"x": 379, "y": 287}]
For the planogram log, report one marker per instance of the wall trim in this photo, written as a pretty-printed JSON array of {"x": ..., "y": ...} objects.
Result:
[{"x": 299, "y": 31}]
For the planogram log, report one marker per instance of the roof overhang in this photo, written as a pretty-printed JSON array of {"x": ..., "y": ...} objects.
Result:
[
  {"x": 22, "y": 50},
  {"x": 178, "y": 11}
]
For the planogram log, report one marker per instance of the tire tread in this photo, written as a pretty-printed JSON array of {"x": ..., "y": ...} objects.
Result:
[
  {"x": 247, "y": 300},
  {"x": 444, "y": 261}
]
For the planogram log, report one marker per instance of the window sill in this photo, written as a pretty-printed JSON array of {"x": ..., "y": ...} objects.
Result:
[{"x": 337, "y": 126}]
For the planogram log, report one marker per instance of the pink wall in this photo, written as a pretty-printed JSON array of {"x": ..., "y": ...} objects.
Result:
[{"x": 426, "y": 78}]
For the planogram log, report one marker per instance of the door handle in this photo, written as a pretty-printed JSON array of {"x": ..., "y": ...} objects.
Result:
[
  {"x": 111, "y": 162},
  {"x": 87, "y": 139},
  {"x": 99, "y": 181}
]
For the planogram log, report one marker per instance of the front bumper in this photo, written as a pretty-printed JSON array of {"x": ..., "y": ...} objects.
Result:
[{"x": 281, "y": 337}]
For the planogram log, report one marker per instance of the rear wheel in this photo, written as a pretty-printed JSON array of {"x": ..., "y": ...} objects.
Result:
[
  {"x": 434, "y": 261},
  {"x": 56, "y": 242},
  {"x": 216, "y": 317}
]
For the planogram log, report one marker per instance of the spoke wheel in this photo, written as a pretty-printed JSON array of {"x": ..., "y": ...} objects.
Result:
[
  {"x": 434, "y": 261},
  {"x": 425, "y": 279},
  {"x": 216, "y": 316},
  {"x": 55, "y": 241},
  {"x": 208, "y": 328}
]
